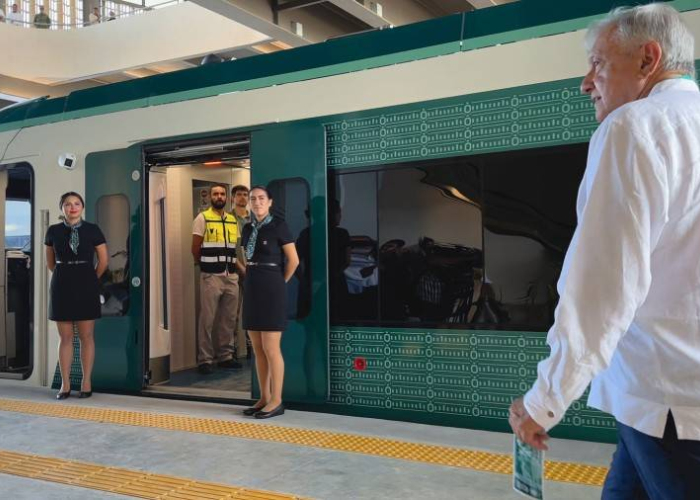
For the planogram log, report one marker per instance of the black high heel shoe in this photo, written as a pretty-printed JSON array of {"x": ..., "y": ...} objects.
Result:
[
  {"x": 272, "y": 413},
  {"x": 63, "y": 395},
  {"x": 85, "y": 394},
  {"x": 249, "y": 412}
]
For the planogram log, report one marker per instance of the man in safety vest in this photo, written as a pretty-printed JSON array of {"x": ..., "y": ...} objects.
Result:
[{"x": 214, "y": 238}]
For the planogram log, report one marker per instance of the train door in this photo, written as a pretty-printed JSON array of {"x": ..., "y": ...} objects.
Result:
[
  {"x": 113, "y": 187},
  {"x": 179, "y": 181},
  {"x": 290, "y": 160}
]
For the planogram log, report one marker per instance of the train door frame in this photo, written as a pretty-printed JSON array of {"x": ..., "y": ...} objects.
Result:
[
  {"x": 35, "y": 261},
  {"x": 155, "y": 156}
]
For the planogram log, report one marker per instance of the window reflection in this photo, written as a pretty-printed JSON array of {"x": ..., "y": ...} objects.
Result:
[
  {"x": 472, "y": 241},
  {"x": 112, "y": 216},
  {"x": 530, "y": 218},
  {"x": 352, "y": 247},
  {"x": 430, "y": 242},
  {"x": 291, "y": 203}
]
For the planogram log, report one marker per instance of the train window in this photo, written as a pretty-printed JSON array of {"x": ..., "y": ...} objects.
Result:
[
  {"x": 353, "y": 274},
  {"x": 18, "y": 221},
  {"x": 530, "y": 217},
  {"x": 430, "y": 251},
  {"x": 112, "y": 215},
  {"x": 473, "y": 241},
  {"x": 16, "y": 271},
  {"x": 291, "y": 203}
]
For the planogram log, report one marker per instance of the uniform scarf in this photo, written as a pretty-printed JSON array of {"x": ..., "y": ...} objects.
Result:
[
  {"x": 250, "y": 247},
  {"x": 74, "y": 240}
]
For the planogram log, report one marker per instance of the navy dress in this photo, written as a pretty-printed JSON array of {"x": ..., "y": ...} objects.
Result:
[
  {"x": 74, "y": 292},
  {"x": 264, "y": 290}
]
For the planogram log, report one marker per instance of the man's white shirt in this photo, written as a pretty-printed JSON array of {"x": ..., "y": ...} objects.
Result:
[
  {"x": 15, "y": 18},
  {"x": 629, "y": 313}
]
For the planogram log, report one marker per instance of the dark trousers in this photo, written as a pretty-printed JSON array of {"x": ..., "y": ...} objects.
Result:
[{"x": 649, "y": 468}]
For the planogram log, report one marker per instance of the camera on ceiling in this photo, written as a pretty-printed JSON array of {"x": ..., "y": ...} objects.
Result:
[{"x": 67, "y": 161}]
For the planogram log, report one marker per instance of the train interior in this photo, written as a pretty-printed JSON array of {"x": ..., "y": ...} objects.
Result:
[
  {"x": 16, "y": 271},
  {"x": 179, "y": 178}
]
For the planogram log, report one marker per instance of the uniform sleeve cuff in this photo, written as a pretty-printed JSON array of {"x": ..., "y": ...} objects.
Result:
[{"x": 541, "y": 410}]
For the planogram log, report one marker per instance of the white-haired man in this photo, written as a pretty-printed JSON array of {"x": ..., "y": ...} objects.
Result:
[{"x": 628, "y": 318}]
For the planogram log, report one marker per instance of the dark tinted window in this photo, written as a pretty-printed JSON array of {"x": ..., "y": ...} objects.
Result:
[
  {"x": 112, "y": 215},
  {"x": 353, "y": 277},
  {"x": 473, "y": 241},
  {"x": 291, "y": 203},
  {"x": 429, "y": 242},
  {"x": 530, "y": 217}
]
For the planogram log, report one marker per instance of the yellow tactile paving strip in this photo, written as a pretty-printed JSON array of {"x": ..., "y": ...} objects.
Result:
[
  {"x": 124, "y": 481},
  {"x": 438, "y": 455}
]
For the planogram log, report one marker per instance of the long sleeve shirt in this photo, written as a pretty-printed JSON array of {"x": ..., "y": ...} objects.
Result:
[{"x": 628, "y": 317}]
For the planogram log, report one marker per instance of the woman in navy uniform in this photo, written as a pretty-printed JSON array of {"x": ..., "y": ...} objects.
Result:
[
  {"x": 270, "y": 261},
  {"x": 71, "y": 246}
]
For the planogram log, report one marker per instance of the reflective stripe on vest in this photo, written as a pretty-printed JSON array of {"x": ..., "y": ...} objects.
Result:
[{"x": 218, "y": 253}]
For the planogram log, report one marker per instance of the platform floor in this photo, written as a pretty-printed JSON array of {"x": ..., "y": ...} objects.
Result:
[{"x": 278, "y": 455}]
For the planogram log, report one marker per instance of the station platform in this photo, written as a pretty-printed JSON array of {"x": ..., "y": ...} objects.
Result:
[{"x": 113, "y": 446}]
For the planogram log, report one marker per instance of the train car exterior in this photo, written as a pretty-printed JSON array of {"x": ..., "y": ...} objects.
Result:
[{"x": 411, "y": 100}]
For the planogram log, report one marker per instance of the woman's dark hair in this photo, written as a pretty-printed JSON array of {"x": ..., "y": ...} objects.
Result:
[
  {"x": 262, "y": 188},
  {"x": 67, "y": 195}
]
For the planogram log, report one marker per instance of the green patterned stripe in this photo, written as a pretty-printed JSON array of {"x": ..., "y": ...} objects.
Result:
[{"x": 469, "y": 373}]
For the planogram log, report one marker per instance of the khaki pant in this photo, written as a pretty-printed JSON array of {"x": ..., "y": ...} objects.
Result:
[{"x": 217, "y": 316}]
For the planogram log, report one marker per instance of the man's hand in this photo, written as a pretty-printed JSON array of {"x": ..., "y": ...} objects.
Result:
[{"x": 527, "y": 430}]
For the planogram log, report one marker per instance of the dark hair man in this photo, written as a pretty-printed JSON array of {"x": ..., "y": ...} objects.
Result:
[{"x": 214, "y": 240}]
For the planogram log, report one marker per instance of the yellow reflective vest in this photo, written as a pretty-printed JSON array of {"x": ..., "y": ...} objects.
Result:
[{"x": 219, "y": 243}]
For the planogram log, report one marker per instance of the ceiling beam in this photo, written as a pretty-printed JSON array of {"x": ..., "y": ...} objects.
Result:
[
  {"x": 242, "y": 16},
  {"x": 360, "y": 12},
  {"x": 296, "y": 4}
]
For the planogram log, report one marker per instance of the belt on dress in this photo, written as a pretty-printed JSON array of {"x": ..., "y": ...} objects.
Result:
[
  {"x": 268, "y": 264},
  {"x": 72, "y": 262}
]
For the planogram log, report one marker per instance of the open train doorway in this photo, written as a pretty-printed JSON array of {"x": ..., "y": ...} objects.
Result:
[
  {"x": 16, "y": 271},
  {"x": 180, "y": 180}
]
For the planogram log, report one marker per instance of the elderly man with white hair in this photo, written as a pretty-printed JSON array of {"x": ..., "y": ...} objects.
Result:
[{"x": 628, "y": 319}]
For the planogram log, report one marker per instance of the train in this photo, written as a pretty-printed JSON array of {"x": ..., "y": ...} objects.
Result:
[{"x": 428, "y": 172}]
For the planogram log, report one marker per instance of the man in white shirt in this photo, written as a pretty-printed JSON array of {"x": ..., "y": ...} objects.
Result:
[
  {"x": 15, "y": 16},
  {"x": 628, "y": 318},
  {"x": 94, "y": 16}
]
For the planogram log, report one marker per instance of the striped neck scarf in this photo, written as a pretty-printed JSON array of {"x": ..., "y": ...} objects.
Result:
[
  {"x": 74, "y": 240},
  {"x": 250, "y": 247}
]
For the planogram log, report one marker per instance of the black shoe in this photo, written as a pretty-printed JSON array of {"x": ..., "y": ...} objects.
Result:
[
  {"x": 85, "y": 394},
  {"x": 63, "y": 395},
  {"x": 230, "y": 364},
  {"x": 249, "y": 412},
  {"x": 272, "y": 413},
  {"x": 205, "y": 369}
]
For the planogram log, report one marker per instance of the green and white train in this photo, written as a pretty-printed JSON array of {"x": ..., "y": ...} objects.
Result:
[{"x": 429, "y": 173}]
